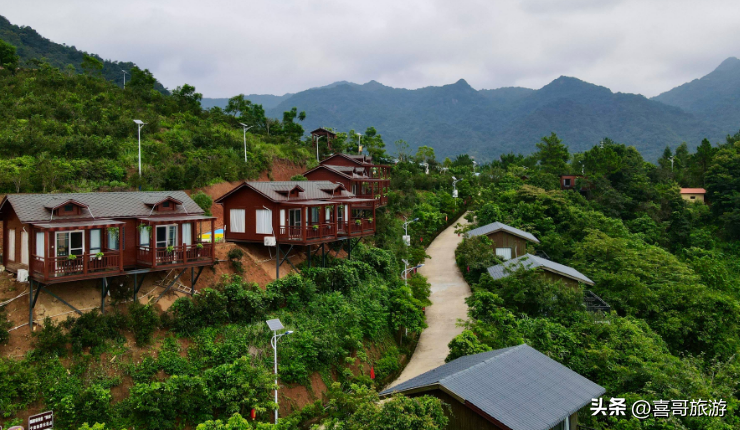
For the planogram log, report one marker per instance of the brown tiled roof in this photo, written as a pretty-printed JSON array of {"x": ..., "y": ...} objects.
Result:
[
  {"x": 33, "y": 207},
  {"x": 693, "y": 191},
  {"x": 313, "y": 190}
]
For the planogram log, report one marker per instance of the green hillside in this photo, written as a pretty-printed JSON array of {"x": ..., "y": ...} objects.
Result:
[
  {"x": 76, "y": 132},
  {"x": 32, "y": 46}
]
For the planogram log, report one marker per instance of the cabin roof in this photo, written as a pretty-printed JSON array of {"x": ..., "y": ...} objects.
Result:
[
  {"x": 693, "y": 191},
  {"x": 134, "y": 204},
  {"x": 279, "y": 191},
  {"x": 529, "y": 261},
  {"x": 349, "y": 172},
  {"x": 517, "y": 386},
  {"x": 497, "y": 226}
]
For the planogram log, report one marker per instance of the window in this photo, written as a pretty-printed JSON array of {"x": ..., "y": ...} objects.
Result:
[
  {"x": 692, "y": 197},
  {"x": 294, "y": 218},
  {"x": 166, "y": 204},
  {"x": 95, "y": 241},
  {"x": 69, "y": 208},
  {"x": 566, "y": 182},
  {"x": 143, "y": 236},
  {"x": 166, "y": 235},
  {"x": 237, "y": 219},
  {"x": 264, "y": 221},
  {"x": 11, "y": 244},
  {"x": 113, "y": 238},
  {"x": 187, "y": 238},
  {"x": 40, "y": 244},
  {"x": 315, "y": 215},
  {"x": 282, "y": 218},
  {"x": 504, "y": 253},
  {"x": 70, "y": 243}
]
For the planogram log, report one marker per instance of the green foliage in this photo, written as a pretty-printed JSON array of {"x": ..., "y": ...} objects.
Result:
[
  {"x": 204, "y": 201},
  {"x": 50, "y": 340},
  {"x": 19, "y": 386},
  {"x": 92, "y": 329},
  {"x": 143, "y": 322},
  {"x": 298, "y": 178},
  {"x": 8, "y": 57},
  {"x": 474, "y": 256},
  {"x": 466, "y": 343},
  {"x": 400, "y": 412},
  {"x": 4, "y": 326}
]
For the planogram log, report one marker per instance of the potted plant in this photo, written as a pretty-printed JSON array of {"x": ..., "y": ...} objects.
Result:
[
  {"x": 71, "y": 257},
  {"x": 370, "y": 220},
  {"x": 358, "y": 221},
  {"x": 198, "y": 248},
  {"x": 315, "y": 227},
  {"x": 99, "y": 255},
  {"x": 199, "y": 245},
  {"x": 170, "y": 249}
]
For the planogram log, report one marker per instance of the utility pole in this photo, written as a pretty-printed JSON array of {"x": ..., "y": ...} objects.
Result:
[
  {"x": 124, "y": 78},
  {"x": 245, "y": 127},
  {"x": 139, "y": 123}
]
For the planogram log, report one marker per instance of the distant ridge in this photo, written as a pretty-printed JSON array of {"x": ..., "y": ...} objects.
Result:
[{"x": 31, "y": 45}]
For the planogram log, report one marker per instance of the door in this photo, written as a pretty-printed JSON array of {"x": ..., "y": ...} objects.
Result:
[
  {"x": 340, "y": 218},
  {"x": 70, "y": 243},
  {"x": 166, "y": 235},
  {"x": 11, "y": 244},
  {"x": 294, "y": 223},
  {"x": 24, "y": 247}
]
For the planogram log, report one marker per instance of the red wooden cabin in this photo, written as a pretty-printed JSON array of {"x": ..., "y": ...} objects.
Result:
[
  {"x": 301, "y": 213},
  {"x": 61, "y": 238},
  {"x": 357, "y": 173}
]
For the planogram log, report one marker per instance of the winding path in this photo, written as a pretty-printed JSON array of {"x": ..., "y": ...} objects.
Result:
[{"x": 449, "y": 291}]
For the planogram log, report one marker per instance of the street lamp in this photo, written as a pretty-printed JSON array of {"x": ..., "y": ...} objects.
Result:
[
  {"x": 276, "y": 325},
  {"x": 672, "y": 158},
  {"x": 359, "y": 143},
  {"x": 124, "y": 78},
  {"x": 406, "y": 270},
  {"x": 317, "y": 147},
  {"x": 140, "y": 123},
  {"x": 454, "y": 189},
  {"x": 245, "y": 127},
  {"x": 406, "y": 237}
]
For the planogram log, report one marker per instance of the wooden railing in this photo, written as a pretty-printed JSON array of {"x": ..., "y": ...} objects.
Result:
[
  {"x": 54, "y": 267},
  {"x": 310, "y": 232},
  {"x": 176, "y": 255}
]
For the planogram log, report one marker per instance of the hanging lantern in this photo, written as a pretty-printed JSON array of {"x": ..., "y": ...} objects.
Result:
[
  {"x": 253, "y": 414},
  {"x": 372, "y": 372}
]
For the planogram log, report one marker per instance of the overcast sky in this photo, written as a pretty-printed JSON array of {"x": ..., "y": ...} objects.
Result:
[{"x": 224, "y": 48}]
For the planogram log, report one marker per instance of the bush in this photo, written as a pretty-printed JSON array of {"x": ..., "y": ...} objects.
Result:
[
  {"x": 474, "y": 256},
  {"x": 388, "y": 364},
  {"x": 235, "y": 255},
  {"x": 143, "y": 321},
  {"x": 92, "y": 329},
  {"x": 204, "y": 201},
  {"x": 4, "y": 326},
  {"x": 51, "y": 340},
  {"x": 420, "y": 288},
  {"x": 298, "y": 178}
]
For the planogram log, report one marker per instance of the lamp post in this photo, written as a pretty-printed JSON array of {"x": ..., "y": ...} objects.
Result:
[
  {"x": 672, "y": 158},
  {"x": 124, "y": 78},
  {"x": 139, "y": 123},
  {"x": 406, "y": 270},
  {"x": 454, "y": 189},
  {"x": 317, "y": 147},
  {"x": 406, "y": 237},
  {"x": 276, "y": 325},
  {"x": 359, "y": 143},
  {"x": 245, "y": 127}
]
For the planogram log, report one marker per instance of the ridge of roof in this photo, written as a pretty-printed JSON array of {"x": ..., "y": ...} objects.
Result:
[
  {"x": 499, "y": 226},
  {"x": 499, "y": 271}
]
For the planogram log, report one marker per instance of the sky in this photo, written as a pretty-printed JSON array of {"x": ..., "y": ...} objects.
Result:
[{"x": 224, "y": 48}]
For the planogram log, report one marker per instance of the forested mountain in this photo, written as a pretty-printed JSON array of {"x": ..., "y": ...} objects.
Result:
[
  {"x": 715, "y": 97},
  {"x": 456, "y": 118},
  {"x": 31, "y": 45}
]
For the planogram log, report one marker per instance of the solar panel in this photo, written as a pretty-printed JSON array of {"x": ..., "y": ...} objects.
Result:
[{"x": 275, "y": 324}]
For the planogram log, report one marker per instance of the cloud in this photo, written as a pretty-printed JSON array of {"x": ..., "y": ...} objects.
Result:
[{"x": 276, "y": 46}]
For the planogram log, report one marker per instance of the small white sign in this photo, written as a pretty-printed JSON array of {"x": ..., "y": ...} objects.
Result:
[
  {"x": 454, "y": 194},
  {"x": 407, "y": 240},
  {"x": 270, "y": 241}
]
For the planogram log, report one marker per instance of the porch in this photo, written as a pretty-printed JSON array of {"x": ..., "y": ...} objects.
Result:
[
  {"x": 312, "y": 222},
  {"x": 64, "y": 252},
  {"x": 172, "y": 242},
  {"x": 372, "y": 189}
]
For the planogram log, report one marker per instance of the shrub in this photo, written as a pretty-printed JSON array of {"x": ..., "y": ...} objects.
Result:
[
  {"x": 50, "y": 340},
  {"x": 143, "y": 321},
  {"x": 474, "y": 256},
  {"x": 204, "y": 201},
  {"x": 298, "y": 178},
  {"x": 92, "y": 329},
  {"x": 292, "y": 291},
  {"x": 420, "y": 288},
  {"x": 4, "y": 326},
  {"x": 19, "y": 386},
  {"x": 235, "y": 255},
  {"x": 388, "y": 364},
  {"x": 465, "y": 343}
]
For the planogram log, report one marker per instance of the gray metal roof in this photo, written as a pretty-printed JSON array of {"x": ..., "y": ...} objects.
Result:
[
  {"x": 33, "y": 207},
  {"x": 313, "y": 190},
  {"x": 497, "y": 226},
  {"x": 517, "y": 386},
  {"x": 529, "y": 261}
]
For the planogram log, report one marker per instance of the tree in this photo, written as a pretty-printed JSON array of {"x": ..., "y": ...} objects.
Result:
[
  {"x": 553, "y": 155},
  {"x": 374, "y": 145},
  {"x": 701, "y": 161},
  {"x": 402, "y": 150},
  {"x": 91, "y": 64},
  {"x": 8, "y": 57},
  {"x": 188, "y": 99},
  {"x": 425, "y": 154},
  {"x": 141, "y": 80}
]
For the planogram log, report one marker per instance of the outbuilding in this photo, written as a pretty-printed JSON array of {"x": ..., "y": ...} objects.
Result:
[
  {"x": 551, "y": 269},
  {"x": 509, "y": 242},
  {"x": 515, "y": 388}
]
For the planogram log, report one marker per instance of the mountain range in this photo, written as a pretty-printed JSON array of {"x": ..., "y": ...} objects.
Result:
[{"x": 457, "y": 118}]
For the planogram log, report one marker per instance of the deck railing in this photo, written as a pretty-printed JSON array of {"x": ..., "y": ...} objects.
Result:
[
  {"x": 54, "y": 267},
  {"x": 174, "y": 255}
]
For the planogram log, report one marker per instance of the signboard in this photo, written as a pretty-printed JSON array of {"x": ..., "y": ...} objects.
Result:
[
  {"x": 454, "y": 194},
  {"x": 407, "y": 240},
  {"x": 42, "y": 421},
  {"x": 270, "y": 241}
]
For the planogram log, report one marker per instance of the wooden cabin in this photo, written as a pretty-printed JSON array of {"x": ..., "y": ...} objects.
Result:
[
  {"x": 569, "y": 182},
  {"x": 357, "y": 173},
  {"x": 295, "y": 212},
  {"x": 64, "y": 237},
  {"x": 509, "y": 242},
  {"x": 506, "y": 389},
  {"x": 60, "y": 238},
  {"x": 693, "y": 194},
  {"x": 550, "y": 269}
]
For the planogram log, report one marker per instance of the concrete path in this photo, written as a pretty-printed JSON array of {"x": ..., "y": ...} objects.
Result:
[{"x": 449, "y": 291}]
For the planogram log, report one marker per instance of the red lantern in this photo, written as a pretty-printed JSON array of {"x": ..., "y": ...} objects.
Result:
[
  {"x": 421, "y": 239},
  {"x": 372, "y": 372},
  {"x": 468, "y": 268},
  {"x": 253, "y": 414}
]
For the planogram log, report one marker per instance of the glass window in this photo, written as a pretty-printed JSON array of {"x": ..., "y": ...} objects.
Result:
[
  {"x": 68, "y": 208},
  {"x": 186, "y": 234},
  {"x": 95, "y": 242},
  {"x": 40, "y": 243},
  {"x": 113, "y": 234},
  {"x": 144, "y": 236}
]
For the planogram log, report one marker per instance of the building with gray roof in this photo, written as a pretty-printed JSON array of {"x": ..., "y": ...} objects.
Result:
[
  {"x": 509, "y": 242},
  {"x": 551, "y": 268},
  {"x": 515, "y": 388}
]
